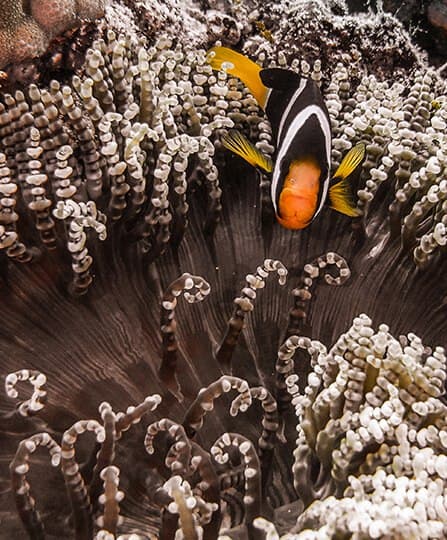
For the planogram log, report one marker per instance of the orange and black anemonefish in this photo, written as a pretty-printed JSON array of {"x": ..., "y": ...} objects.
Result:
[{"x": 301, "y": 181}]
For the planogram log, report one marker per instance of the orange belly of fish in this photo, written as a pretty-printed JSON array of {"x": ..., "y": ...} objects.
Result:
[{"x": 296, "y": 210}]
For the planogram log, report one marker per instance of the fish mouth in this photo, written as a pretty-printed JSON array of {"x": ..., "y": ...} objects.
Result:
[
  {"x": 293, "y": 222},
  {"x": 299, "y": 209}
]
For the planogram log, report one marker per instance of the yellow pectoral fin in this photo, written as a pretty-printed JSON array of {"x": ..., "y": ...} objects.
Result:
[
  {"x": 341, "y": 199},
  {"x": 241, "y": 146},
  {"x": 240, "y": 66},
  {"x": 351, "y": 161}
]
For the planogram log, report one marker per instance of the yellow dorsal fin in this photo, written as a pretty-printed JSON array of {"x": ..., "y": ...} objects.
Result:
[
  {"x": 240, "y": 145},
  {"x": 351, "y": 161},
  {"x": 242, "y": 67}
]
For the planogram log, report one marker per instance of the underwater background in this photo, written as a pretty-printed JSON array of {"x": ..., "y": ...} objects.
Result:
[{"x": 176, "y": 363}]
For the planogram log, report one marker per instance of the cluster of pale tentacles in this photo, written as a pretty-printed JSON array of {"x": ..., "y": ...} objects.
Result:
[
  {"x": 118, "y": 148},
  {"x": 121, "y": 146},
  {"x": 371, "y": 435},
  {"x": 115, "y": 154}
]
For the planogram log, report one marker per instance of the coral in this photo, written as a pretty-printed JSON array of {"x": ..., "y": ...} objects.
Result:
[
  {"x": 26, "y": 34},
  {"x": 54, "y": 16},
  {"x": 423, "y": 19},
  {"x": 324, "y": 30}
]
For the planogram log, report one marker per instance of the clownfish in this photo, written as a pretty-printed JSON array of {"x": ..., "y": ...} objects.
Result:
[{"x": 301, "y": 181}]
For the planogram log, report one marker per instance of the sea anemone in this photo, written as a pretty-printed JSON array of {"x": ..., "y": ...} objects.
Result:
[{"x": 126, "y": 233}]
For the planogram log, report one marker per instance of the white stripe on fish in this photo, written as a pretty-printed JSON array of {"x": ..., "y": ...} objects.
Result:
[
  {"x": 296, "y": 124},
  {"x": 289, "y": 107}
]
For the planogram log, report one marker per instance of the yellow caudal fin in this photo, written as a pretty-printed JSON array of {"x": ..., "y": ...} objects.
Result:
[
  {"x": 241, "y": 146},
  {"x": 351, "y": 161},
  {"x": 240, "y": 66},
  {"x": 340, "y": 192}
]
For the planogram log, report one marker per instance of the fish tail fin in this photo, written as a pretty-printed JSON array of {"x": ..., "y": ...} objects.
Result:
[
  {"x": 242, "y": 67},
  {"x": 240, "y": 145},
  {"x": 340, "y": 195}
]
